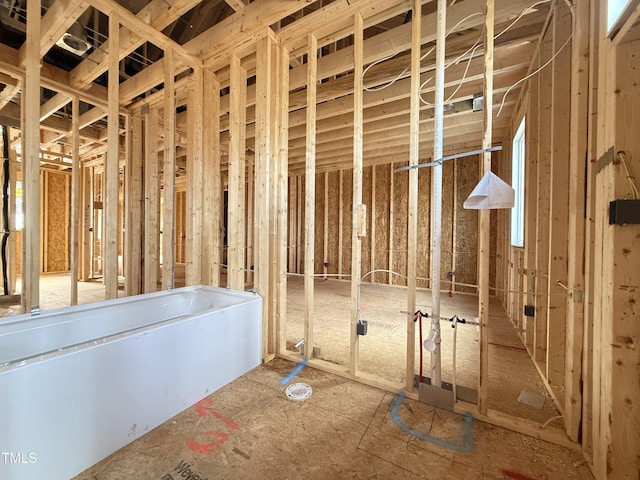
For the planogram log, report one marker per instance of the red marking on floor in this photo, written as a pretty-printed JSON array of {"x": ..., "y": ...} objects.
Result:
[
  {"x": 231, "y": 423},
  {"x": 205, "y": 407},
  {"x": 516, "y": 475},
  {"x": 196, "y": 446}
]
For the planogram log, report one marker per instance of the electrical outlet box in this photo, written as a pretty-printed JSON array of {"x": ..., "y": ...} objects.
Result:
[
  {"x": 624, "y": 212},
  {"x": 478, "y": 104},
  {"x": 361, "y": 327},
  {"x": 529, "y": 310}
]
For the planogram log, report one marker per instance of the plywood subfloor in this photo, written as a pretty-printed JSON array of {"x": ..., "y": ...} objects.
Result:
[
  {"x": 383, "y": 349},
  {"x": 55, "y": 293},
  {"x": 250, "y": 430}
]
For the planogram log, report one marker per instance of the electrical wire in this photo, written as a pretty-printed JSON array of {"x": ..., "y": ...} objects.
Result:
[
  {"x": 388, "y": 57},
  {"x": 504, "y": 97},
  {"x": 472, "y": 49},
  {"x": 383, "y": 271},
  {"x": 621, "y": 156},
  {"x": 475, "y": 46},
  {"x": 520, "y": 15},
  {"x": 545, "y": 424}
]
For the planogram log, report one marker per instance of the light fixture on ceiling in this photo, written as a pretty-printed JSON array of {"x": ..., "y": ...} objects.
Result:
[{"x": 74, "y": 40}]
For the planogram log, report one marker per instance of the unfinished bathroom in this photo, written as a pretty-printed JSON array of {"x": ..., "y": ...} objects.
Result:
[{"x": 326, "y": 238}]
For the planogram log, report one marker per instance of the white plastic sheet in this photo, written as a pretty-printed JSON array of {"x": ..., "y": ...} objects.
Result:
[{"x": 491, "y": 192}]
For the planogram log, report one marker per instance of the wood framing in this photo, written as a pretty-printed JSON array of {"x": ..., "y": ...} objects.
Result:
[
  {"x": 31, "y": 166},
  {"x": 112, "y": 175},
  {"x": 576, "y": 222},
  {"x": 357, "y": 211},
  {"x": 193, "y": 260},
  {"x": 169, "y": 178},
  {"x": 309, "y": 196},
  {"x": 87, "y": 224},
  {"x": 236, "y": 206},
  {"x": 212, "y": 188},
  {"x": 76, "y": 174},
  {"x": 151, "y": 202},
  {"x": 412, "y": 224},
  {"x": 558, "y": 200},
  {"x": 283, "y": 197},
  {"x": 484, "y": 235},
  {"x": 134, "y": 206},
  {"x": 265, "y": 115},
  {"x": 543, "y": 203}
]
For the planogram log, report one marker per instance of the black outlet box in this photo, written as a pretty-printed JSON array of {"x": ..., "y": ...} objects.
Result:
[
  {"x": 529, "y": 310},
  {"x": 361, "y": 327},
  {"x": 624, "y": 212}
]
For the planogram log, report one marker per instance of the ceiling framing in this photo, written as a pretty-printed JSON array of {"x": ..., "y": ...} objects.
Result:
[{"x": 207, "y": 32}]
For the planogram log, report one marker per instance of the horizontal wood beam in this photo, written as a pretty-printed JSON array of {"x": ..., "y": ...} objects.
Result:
[
  {"x": 11, "y": 114},
  {"x": 109, "y": 7},
  {"x": 237, "y": 5},
  {"x": 58, "y": 19},
  {"x": 393, "y": 129},
  {"x": 221, "y": 39},
  {"x": 158, "y": 13},
  {"x": 54, "y": 104},
  {"x": 51, "y": 77},
  {"x": 215, "y": 45},
  {"x": 334, "y": 21},
  {"x": 386, "y": 155}
]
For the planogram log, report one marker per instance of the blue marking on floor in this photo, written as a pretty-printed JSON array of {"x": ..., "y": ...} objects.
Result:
[
  {"x": 295, "y": 372},
  {"x": 467, "y": 436}
]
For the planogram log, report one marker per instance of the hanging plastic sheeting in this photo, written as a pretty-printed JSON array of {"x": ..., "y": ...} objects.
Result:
[{"x": 491, "y": 192}]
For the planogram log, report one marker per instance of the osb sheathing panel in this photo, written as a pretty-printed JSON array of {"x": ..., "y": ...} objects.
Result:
[
  {"x": 57, "y": 210},
  {"x": 319, "y": 226},
  {"x": 493, "y": 245},
  {"x": 423, "y": 249},
  {"x": 382, "y": 222},
  {"x": 180, "y": 233},
  {"x": 334, "y": 220},
  {"x": 366, "y": 240},
  {"x": 301, "y": 226},
  {"x": 347, "y": 202},
  {"x": 19, "y": 253},
  {"x": 296, "y": 223},
  {"x": 466, "y": 225},
  {"x": 400, "y": 219},
  {"x": 466, "y": 222},
  {"x": 448, "y": 187}
]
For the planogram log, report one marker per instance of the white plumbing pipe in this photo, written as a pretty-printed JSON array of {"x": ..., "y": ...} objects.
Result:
[
  {"x": 436, "y": 189},
  {"x": 453, "y": 376}
]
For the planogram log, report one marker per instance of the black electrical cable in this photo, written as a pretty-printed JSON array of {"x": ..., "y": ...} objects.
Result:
[{"x": 5, "y": 206}]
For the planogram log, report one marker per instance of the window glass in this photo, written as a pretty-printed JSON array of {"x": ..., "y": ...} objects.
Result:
[
  {"x": 614, "y": 10},
  {"x": 517, "y": 182}
]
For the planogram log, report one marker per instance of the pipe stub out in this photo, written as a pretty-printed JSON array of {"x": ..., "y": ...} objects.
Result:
[{"x": 432, "y": 341}]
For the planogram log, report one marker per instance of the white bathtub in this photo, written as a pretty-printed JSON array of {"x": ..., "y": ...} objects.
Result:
[{"x": 78, "y": 383}]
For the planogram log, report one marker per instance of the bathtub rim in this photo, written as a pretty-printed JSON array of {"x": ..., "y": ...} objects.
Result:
[{"x": 25, "y": 361}]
